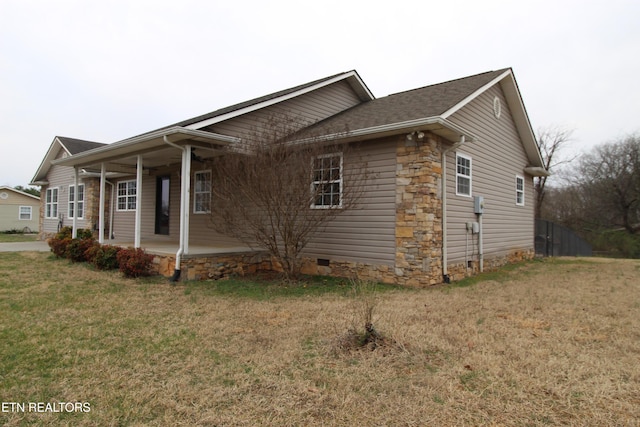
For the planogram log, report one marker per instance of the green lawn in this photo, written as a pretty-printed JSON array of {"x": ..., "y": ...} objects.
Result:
[{"x": 10, "y": 238}]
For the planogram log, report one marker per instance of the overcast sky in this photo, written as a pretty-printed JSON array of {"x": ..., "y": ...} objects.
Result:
[{"x": 107, "y": 70}]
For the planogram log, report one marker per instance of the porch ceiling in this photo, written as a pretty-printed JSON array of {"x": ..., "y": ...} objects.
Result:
[{"x": 122, "y": 156}]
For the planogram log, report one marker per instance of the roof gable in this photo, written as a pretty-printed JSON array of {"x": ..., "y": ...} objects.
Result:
[
  {"x": 199, "y": 122},
  {"x": 426, "y": 108},
  {"x": 430, "y": 107},
  {"x": 21, "y": 193},
  {"x": 70, "y": 146},
  {"x": 429, "y": 101}
]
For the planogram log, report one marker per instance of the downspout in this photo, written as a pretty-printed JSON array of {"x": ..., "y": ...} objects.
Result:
[
  {"x": 138, "y": 218},
  {"x": 445, "y": 272},
  {"x": 183, "y": 206},
  {"x": 103, "y": 179}
]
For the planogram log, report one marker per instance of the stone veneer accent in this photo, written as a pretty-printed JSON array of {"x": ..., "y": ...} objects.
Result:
[
  {"x": 419, "y": 211},
  {"x": 459, "y": 271},
  {"x": 214, "y": 266}
]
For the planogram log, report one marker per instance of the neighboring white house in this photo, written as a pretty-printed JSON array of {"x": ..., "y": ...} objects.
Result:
[{"x": 18, "y": 210}]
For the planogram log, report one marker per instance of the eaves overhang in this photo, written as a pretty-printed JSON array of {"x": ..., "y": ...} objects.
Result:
[
  {"x": 437, "y": 125},
  {"x": 514, "y": 100},
  {"x": 147, "y": 143}
]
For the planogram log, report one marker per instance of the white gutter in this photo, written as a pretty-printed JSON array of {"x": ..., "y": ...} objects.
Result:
[
  {"x": 138, "y": 144},
  {"x": 445, "y": 271},
  {"x": 389, "y": 129},
  {"x": 537, "y": 171}
]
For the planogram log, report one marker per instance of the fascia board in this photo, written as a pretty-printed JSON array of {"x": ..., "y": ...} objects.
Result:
[
  {"x": 4, "y": 187},
  {"x": 142, "y": 143},
  {"x": 48, "y": 158},
  {"x": 521, "y": 118},
  {"x": 516, "y": 105},
  {"x": 352, "y": 76},
  {"x": 428, "y": 123},
  {"x": 474, "y": 95}
]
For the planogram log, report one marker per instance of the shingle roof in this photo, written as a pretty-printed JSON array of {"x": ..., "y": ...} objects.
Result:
[
  {"x": 75, "y": 146},
  {"x": 428, "y": 101},
  {"x": 249, "y": 103}
]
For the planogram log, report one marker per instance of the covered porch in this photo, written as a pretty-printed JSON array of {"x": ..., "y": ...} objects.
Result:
[{"x": 140, "y": 161}]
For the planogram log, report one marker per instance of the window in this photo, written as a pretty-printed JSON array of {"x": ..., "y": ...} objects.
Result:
[
  {"x": 127, "y": 195},
  {"x": 80, "y": 201},
  {"x": 51, "y": 203},
  {"x": 463, "y": 175},
  {"x": 327, "y": 181},
  {"x": 25, "y": 213},
  {"x": 519, "y": 190},
  {"x": 202, "y": 192}
]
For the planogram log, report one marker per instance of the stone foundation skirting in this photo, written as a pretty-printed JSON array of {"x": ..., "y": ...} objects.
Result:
[
  {"x": 215, "y": 266},
  {"x": 219, "y": 266},
  {"x": 461, "y": 270}
]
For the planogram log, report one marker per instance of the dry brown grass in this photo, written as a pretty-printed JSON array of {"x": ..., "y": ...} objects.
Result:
[{"x": 547, "y": 343}]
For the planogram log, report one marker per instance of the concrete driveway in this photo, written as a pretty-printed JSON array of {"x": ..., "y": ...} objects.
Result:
[{"x": 24, "y": 247}]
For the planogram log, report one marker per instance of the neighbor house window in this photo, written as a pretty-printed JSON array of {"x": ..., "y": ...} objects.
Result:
[
  {"x": 51, "y": 203},
  {"x": 519, "y": 191},
  {"x": 202, "y": 192},
  {"x": 72, "y": 198},
  {"x": 127, "y": 193},
  {"x": 463, "y": 175},
  {"x": 25, "y": 213},
  {"x": 327, "y": 181}
]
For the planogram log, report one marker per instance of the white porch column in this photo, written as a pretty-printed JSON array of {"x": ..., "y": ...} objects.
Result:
[
  {"x": 186, "y": 196},
  {"x": 74, "y": 233},
  {"x": 136, "y": 243},
  {"x": 103, "y": 172}
]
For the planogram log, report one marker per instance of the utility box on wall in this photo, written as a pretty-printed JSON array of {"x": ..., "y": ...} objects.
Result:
[{"x": 478, "y": 205}]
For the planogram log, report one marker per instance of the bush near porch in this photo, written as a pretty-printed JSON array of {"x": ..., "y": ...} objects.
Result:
[{"x": 132, "y": 262}]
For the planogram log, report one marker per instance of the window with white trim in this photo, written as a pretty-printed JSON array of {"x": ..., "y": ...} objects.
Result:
[
  {"x": 463, "y": 175},
  {"x": 72, "y": 197},
  {"x": 51, "y": 203},
  {"x": 127, "y": 195},
  {"x": 25, "y": 213},
  {"x": 327, "y": 181},
  {"x": 519, "y": 190},
  {"x": 202, "y": 192}
]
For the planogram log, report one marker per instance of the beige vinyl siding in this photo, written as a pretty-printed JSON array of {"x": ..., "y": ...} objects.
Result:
[
  {"x": 62, "y": 177},
  {"x": 366, "y": 234},
  {"x": 314, "y": 106},
  {"x": 199, "y": 231},
  {"x": 10, "y": 212},
  {"x": 497, "y": 157}
]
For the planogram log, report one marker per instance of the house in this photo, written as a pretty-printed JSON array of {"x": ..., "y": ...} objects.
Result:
[
  {"x": 18, "y": 210},
  {"x": 453, "y": 191}
]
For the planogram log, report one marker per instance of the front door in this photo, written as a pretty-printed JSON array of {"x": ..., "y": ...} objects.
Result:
[{"x": 162, "y": 205}]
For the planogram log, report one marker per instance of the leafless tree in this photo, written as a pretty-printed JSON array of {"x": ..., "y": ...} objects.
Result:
[
  {"x": 551, "y": 141},
  {"x": 279, "y": 187},
  {"x": 611, "y": 174}
]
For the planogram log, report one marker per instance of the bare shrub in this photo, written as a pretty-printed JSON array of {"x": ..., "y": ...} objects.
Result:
[{"x": 278, "y": 187}]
